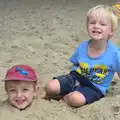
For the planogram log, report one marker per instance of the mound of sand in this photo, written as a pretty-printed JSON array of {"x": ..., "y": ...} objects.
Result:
[{"x": 44, "y": 34}]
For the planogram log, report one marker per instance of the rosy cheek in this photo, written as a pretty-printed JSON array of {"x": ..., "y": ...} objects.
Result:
[
  {"x": 12, "y": 95},
  {"x": 89, "y": 27}
]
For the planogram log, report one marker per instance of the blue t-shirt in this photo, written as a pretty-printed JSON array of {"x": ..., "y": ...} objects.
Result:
[{"x": 99, "y": 70}]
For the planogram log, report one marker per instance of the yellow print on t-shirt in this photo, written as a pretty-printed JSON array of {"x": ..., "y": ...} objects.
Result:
[{"x": 95, "y": 73}]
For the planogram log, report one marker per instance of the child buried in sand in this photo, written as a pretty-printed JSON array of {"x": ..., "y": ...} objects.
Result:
[{"x": 21, "y": 86}]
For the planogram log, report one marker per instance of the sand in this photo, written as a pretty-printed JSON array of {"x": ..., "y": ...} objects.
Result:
[{"x": 44, "y": 34}]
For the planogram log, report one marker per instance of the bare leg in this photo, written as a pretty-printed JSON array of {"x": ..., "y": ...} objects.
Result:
[
  {"x": 75, "y": 99},
  {"x": 52, "y": 89}
]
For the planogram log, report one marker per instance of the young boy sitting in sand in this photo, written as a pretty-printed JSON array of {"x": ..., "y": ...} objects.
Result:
[
  {"x": 94, "y": 62},
  {"x": 21, "y": 86}
]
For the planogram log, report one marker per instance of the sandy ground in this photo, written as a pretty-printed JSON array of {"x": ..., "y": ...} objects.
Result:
[{"x": 43, "y": 34}]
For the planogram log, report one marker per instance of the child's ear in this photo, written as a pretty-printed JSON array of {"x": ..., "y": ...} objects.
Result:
[
  {"x": 112, "y": 33},
  {"x": 36, "y": 90}
]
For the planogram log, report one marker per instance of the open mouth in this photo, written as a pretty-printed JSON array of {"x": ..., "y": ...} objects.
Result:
[
  {"x": 96, "y": 32},
  {"x": 20, "y": 102}
]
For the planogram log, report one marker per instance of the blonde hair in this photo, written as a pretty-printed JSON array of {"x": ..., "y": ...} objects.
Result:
[{"x": 104, "y": 11}]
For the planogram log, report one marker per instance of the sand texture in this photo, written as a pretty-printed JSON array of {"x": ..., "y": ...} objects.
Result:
[{"x": 44, "y": 34}]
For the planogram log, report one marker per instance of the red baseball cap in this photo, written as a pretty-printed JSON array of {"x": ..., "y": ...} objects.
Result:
[{"x": 21, "y": 72}]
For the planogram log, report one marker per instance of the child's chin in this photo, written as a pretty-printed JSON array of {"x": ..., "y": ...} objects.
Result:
[
  {"x": 96, "y": 38},
  {"x": 21, "y": 107}
]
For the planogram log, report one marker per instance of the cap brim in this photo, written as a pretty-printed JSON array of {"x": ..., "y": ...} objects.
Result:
[{"x": 17, "y": 79}]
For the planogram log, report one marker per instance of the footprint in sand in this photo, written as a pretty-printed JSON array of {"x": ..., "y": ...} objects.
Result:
[{"x": 115, "y": 110}]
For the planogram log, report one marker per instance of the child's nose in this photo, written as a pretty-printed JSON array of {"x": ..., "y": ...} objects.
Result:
[
  {"x": 19, "y": 94},
  {"x": 96, "y": 25}
]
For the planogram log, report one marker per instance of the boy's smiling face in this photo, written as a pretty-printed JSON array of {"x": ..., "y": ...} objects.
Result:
[
  {"x": 99, "y": 27},
  {"x": 20, "y": 93}
]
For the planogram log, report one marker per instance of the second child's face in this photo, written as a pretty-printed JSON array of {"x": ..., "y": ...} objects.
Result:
[
  {"x": 99, "y": 28},
  {"x": 20, "y": 93}
]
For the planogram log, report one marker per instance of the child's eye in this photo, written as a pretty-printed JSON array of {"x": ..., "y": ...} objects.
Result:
[
  {"x": 25, "y": 89},
  {"x": 12, "y": 90},
  {"x": 103, "y": 24},
  {"x": 92, "y": 22}
]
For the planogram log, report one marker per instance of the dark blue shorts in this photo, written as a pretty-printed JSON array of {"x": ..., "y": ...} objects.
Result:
[{"x": 75, "y": 82}]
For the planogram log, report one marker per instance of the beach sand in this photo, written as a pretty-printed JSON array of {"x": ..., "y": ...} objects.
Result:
[{"x": 44, "y": 34}]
